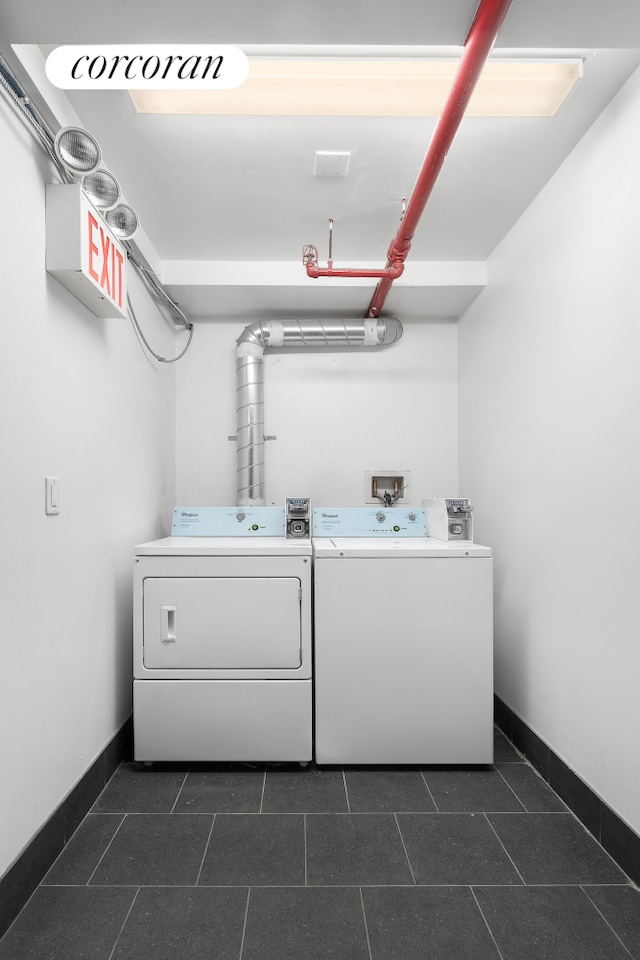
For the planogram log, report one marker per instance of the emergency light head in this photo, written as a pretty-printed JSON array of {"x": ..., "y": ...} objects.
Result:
[
  {"x": 102, "y": 189},
  {"x": 80, "y": 154},
  {"x": 77, "y": 151},
  {"x": 123, "y": 221}
]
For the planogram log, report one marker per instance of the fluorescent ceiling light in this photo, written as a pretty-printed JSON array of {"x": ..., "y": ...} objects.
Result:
[{"x": 368, "y": 88}]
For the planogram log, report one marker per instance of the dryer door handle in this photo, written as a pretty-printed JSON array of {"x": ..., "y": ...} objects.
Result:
[{"x": 168, "y": 624}]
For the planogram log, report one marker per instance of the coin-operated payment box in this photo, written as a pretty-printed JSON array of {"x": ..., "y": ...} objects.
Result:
[
  {"x": 449, "y": 518},
  {"x": 298, "y": 516}
]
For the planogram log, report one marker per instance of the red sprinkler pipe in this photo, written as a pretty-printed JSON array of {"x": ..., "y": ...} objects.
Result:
[
  {"x": 392, "y": 272},
  {"x": 310, "y": 259},
  {"x": 482, "y": 35}
]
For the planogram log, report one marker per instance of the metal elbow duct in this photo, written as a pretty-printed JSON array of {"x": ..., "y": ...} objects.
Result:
[{"x": 250, "y": 347}]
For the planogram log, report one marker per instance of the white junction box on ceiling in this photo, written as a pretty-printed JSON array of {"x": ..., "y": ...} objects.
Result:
[
  {"x": 82, "y": 252},
  {"x": 331, "y": 163}
]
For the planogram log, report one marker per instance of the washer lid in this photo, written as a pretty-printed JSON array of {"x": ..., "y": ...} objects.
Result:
[
  {"x": 338, "y": 547},
  {"x": 224, "y": 547}
]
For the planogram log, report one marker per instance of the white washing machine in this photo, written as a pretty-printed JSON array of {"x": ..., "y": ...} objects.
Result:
[
  {"x": 403, "y": 642},
  {"x": 222, "y": 640}
]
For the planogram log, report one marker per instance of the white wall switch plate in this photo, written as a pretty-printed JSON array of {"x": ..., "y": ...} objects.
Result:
[{"x": 52, "y": 495}]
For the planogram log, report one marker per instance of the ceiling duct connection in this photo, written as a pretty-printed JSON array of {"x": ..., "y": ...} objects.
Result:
[{"x": 251, "y": 345}]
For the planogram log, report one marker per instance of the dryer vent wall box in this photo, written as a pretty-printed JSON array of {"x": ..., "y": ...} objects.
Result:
[{"x": 387, "y": 486}]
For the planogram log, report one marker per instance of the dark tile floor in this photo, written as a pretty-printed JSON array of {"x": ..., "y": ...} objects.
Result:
[{"x": 232, "y": 862}]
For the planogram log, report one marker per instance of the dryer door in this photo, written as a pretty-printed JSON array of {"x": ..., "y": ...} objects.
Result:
[{"x": 222, "y": 623}]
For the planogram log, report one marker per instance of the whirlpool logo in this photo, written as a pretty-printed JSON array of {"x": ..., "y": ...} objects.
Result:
[{"x": 147, "y": 67}]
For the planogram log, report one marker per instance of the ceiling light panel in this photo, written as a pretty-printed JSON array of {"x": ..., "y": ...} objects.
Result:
[{"x": 374, "y": 88}]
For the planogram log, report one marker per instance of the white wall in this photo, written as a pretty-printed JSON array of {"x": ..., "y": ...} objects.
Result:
[
  {"x": 79, "y": 400},
  {"x": 335, "y": 414},
  {"x": 550, "y": 453}
]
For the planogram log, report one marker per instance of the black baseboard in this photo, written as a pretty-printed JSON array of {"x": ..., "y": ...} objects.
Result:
[
  {"x": 23, "y": 877},
  {"x": 619, "y": 840}
]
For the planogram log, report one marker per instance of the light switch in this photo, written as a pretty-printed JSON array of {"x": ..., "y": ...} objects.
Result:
[{"x": 52, "y": 495}]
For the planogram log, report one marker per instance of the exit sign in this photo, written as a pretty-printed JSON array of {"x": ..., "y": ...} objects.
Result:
[{"x": 82, "y": 252}]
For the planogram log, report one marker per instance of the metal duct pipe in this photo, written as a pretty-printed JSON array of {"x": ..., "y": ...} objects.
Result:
[{"x": 251, "y": 344}]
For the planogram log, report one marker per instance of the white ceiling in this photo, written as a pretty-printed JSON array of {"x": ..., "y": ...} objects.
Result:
[{"x": 226, "y": 203}]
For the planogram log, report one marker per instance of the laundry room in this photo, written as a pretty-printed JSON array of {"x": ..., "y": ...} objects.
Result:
[{"x": 510, "y": 379}]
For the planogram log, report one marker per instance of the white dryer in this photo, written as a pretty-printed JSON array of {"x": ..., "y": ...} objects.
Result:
[
  {"x": 222, "y": 641},
  {"x": 403, "y": 642}
]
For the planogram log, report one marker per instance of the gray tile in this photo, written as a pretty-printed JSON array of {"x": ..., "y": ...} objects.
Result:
[
  {"x": 503, "y": 750},
  {"x": 387, "y": 791},
  {"x": 355, "y": 849},
  {"x": 184, "y": 924},
  {"x": 155, "y": 849},
  {"x": 136, "y": 789},
  {"x": 265, "y": 850},
  {"x": 620, "y": 906},
  {"x": 471, "y": 790},
  {"x": 304, "y": 923},
  {"x": 455, "y": 848},
  {"x": 530, "y": 788},
  {"x": 413, "y": 923},
  {"x": 304, "y": 790},
  {"x": 82, "y": 854},
  {"x": 67, "y": 923},
  {"x": 547, "y": 923},
  {"x": 233, "y": 790},
  {"x": 554, "y": 848}
]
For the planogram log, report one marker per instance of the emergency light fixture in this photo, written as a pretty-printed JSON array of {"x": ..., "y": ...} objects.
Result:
[
  {"x": 80, "y": 154},
  {"x": 122, "y": 220},
  {"x": 102, "y": 188},
  {"x": 77, "y": 151}
]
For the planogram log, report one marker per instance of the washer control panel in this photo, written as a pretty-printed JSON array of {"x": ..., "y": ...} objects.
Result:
[{"x": 369, "y": 522}]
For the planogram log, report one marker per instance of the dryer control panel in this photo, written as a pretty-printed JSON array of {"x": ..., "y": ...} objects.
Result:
[{"x": 228, "y": 522}]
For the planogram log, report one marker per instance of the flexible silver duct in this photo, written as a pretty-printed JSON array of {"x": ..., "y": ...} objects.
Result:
[{"x": 251, "y": 344}]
